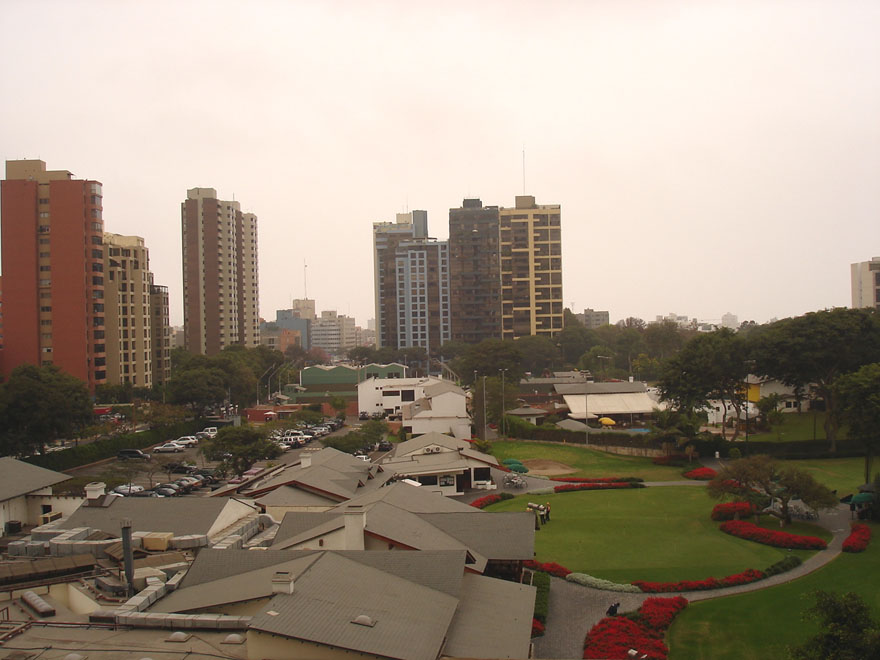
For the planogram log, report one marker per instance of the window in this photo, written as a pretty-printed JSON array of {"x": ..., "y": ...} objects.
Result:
[
  {"x": 46, "y": 308},
  {"x": 428, "y": 480},
  {"x": 408, "y": 395},
  {"x": 447, "y": 480}
]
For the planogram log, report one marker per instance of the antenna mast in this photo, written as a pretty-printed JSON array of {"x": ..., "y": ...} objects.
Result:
[
  {"x": 305, "y": 280},
  {"x": 524, "y": 169}
]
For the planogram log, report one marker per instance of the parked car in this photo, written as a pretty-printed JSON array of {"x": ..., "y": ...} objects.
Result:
[
  {"x": 385, "y": 446},
  {"x": 201, "y": 435},
  {"x": 187, "y": 440},
  {"x": 169, "y": 447},
  {"x": 148, "y": 493},
  {"x": 166, "y": 491},
  {"x": 125, "y": 454},
  {"x": 210, "y": 430},
  {"x": 173, "y": 487},
  {"x": 180, "y": 468},
  {"x": 361, "y": 457},
  {"x": 364, "y": 416},
  {"x": 128, "y": 489}
]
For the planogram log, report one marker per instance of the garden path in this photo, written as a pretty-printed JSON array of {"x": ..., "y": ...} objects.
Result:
[{"x": 574, "y": 609}]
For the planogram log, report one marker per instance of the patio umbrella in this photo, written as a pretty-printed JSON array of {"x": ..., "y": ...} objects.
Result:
[
  {"x": 607, "y": 421},
  {"x": 861, "y": 498}
]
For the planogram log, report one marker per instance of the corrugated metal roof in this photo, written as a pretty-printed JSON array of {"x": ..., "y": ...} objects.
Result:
[
  {"x": 496, "y": 536},
  {"x": 601, "y": 388},
  {"x": 610, "y": 404},
  {"x": 178, "y": 515},
  {"x": 411, "y": 620},
  {"x": 410, "y": 498},
  {"x": 18, "y": 478},
  {"x": 493, "y": 619}
]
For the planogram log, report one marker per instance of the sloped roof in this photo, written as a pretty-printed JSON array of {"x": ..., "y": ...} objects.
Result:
[
  {"x": 409, "y": 498},
  {"x": 441, "y": 388},
  {"x": 178, "y": 515},
  {"x": 295, "y": 497},
  {"x": 572, "y": 424},
  {"x": 19, "y": 478},
  {"x": 600, "y": 388},
  {"x": 494, "y": 616},
  {"x": 495, "y": 536},
  {"x": 427, "y": 439},
  {"x": 527, "y": 411},
  {"x": 410, "y": 620},
  {"x": 610, "y": 404}
]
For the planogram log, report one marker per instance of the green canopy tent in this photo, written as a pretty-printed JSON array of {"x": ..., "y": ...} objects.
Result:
[{"x": 862, "y": 498}]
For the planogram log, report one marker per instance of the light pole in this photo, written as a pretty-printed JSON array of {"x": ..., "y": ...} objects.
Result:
[
  {"x": 485, "y": 431},
  {"x": 586, "y": 414},
  {"x": 258, "y": 382},
  {"x": 503, "y": 404}
]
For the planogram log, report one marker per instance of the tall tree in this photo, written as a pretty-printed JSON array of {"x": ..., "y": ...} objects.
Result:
[
  {"x": 814, "y": 350},
  {"x": 39, "y": 405},
  {"x": 198, "y": 388},
  {"x": 847, "y": 629},
  {"x": 539, "y": 354},
  {"x": 239, "y": 447},
  {"x": 858, "y": 395},
  {"x": 574, "y": 341}
]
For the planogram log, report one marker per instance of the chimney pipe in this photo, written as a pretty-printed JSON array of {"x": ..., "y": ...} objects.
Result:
[
  {"x": 95, "y": 489},
  {"x": 128, "y": 557},
  {"x": 305, "y": 461}
]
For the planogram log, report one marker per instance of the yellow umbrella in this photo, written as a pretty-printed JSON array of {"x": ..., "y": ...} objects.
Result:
[{"x": 607, "y": 421}]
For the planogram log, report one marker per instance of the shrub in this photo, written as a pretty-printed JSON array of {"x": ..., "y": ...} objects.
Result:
[
  {"x": 537, "y": 628},
  {"x": 483, "y": 502},
  {"x": 673, "y": 459},
  {"x": 551, "y": 567},
  {"x": 859, "y": 536},
  {"x": 751, "y": 532},
  {"x": 734, "y": 453},
  {"x": 782, "y": 566},
  {"x": 567, "y": 488},
  {"x": 506, "y": 496},
  {"x": 658, "y": 613},
  {"x": 730, "y": 510},
  {"x": 542, "y": 491},
  {"x": 596, "y": 480},
  {"x": 518, "y": 467},
  {"x": 598, "y": 583},
  {"x": 644, "y": 630},
  {"x": 541, "y": 582},
  {"x": 701, "y": 474}
]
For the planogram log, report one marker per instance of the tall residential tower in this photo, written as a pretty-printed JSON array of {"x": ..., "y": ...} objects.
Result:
[
  {"x": 220, "y": 282},
  {"x": 866, "y": 283}
]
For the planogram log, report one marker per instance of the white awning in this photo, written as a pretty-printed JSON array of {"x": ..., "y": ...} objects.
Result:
[{"x": 633, "y": 403}]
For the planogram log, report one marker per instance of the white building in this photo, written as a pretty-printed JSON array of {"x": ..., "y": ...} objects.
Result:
[
  {"x": 424, "y": 405},
  {"x": 866, "y": 283},
  {"x": 26, "y": 497},
  {"x": 335, "y": 333}
]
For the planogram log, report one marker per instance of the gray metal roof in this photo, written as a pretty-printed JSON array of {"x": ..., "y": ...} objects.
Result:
[
  {"x": 493, "y": 619},
  {"x": 495, "y": 536},
  {"x": 601, "y": 388},
  {"x": 433, "y": 438},
  {"x": 411, "y": 621},
  {"x": 291, "y": 496},
  {"x": 409, "y": 498},
  {"x": 178, "y": 515},
  {"x": 18, "y": 478},
  {"x": 295, "y": 524}
]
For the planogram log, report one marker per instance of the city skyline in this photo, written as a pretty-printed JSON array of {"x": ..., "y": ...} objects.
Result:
[{"x": 698, "y": 149}]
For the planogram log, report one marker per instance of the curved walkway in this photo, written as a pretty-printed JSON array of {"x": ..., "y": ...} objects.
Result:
[{"x": 574, "y": 609}]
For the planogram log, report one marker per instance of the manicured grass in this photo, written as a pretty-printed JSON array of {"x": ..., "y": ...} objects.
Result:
[
  {"x": 797, "y": 426},
  {"x": 587, "y": 462},
  {"x": 656, "y": 534},
  {"x": 764, "y": 623},
  {"x": 844, "y": 475}
]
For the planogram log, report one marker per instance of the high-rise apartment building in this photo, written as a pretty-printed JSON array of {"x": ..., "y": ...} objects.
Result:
[
  {"x": 160, "y": 332},
  {"x": 333, "y": 333},
  {"x": 220, "y": 280},
  {"x": 531, "y": 269},
  {"x": 593, "y": 319},
  {"x": 866, "y": 283},
  {"x": 474, "y": 272},
  {"x": 53, "y": 271},
  {"x": 411, "y": 284},
  {"x": 304, "y": 308}
]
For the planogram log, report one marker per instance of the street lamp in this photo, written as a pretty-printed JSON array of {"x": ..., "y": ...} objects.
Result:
[
  {"x": 485, "y": 431},
  {"x": 503, "y": 405}
]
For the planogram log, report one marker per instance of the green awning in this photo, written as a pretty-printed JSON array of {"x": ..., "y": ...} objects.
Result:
[{"x": 861, "y": 498}]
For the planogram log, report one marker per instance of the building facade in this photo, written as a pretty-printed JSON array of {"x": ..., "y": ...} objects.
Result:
[
  {"x": 160, "y": 332},
  {"x": 594, "y": 319},
  {"x": 333, "y": 333},
  {"x": 866, "y": 283},
  {"x": 220, "y": 278},
  {"x": 531, "y": 268},
  {"x": 53, "y": 271},
  {"x": 474, "y": 272}
]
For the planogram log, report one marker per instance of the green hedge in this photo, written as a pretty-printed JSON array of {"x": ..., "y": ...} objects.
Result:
[
  {"x": 98, "y": 450},
  {"x": 541, "y": 581}
]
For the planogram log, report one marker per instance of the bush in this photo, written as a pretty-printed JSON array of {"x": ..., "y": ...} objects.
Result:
[
  {"x": 567, "y": 488},
  {"x": 597, "y": 583},
  {"x": 537, "y": 628},
  {"x": 701, "y": 474},
  {"x": 746, "y": 577},
  {"x": 731, "y": 510},
  {"x": 734, "y": 453},
  {"x": 678, "y": 460},
  {"x": 511, "y": 461},
  {"x": 644, "y": 630},
  {"x": 542, "y": 491},
  {"x": 751, "y": 532},
  {"x": 518, "y": 467},
  {"x": 541, "y": 582},
  {"x": 596, "y": 480},
  {"x": 551, "y": 567},
  {"x": 658, "y": 613},
  {"x": 506, "y": 496},
  {"x": 859, "y": 536},
  {"x": 483, "y": 502},
  {"x": 783, "y": 566}
]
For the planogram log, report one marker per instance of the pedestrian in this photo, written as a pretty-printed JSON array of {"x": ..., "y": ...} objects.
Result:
[
  {"x": 612, "y": 610},
  {"x": 547, "y": 506}
]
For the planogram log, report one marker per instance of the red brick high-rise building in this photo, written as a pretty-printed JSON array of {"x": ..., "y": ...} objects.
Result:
[{"x": 53, "y": 271}]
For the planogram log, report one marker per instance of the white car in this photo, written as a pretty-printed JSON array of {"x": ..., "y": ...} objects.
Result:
[
  {"x": 169, "y": 447},
  {"x": 128, "y": 489},
  {"x": 187, "y": 440},
  {"x": 210, "y": 430}
]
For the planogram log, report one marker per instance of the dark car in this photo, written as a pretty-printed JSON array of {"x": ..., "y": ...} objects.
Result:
[
  {"x": 165, "y": 491},
  {"x": 364, "y": 416},
  {"x": 181, "y": 468},
  {"x": 385, "y": 446},
  {"x": 125, "y": 454}
]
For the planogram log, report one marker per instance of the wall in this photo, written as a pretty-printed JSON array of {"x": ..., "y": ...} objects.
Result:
[
  {"x": 14, "y": 509},
  {"x": 231, "y": 513},
  {"x": 264, "y": 646},
  {"x": 66, "y": 505}
]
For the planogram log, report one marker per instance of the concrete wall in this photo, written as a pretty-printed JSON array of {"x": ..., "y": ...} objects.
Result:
[
  {"x": 231, "y": 513},
  {"x": 66, "y": 505}
]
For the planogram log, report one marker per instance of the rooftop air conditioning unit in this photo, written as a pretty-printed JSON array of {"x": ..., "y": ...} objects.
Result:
[{"x": 49, "y": 517}]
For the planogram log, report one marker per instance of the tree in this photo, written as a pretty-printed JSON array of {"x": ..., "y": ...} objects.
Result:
[
  {"x": 848, "y": 631},
  {"x": 673, "y": 428},
  {"x": 768, "y": 409},
  {"x": 858, "y": 395},
  {"x": 574, "y": 341},
  {"x": 198, "y": 388},
  {"x": 664, "y": 339},
  {"x": 757, "y": 479},
  {"x": 339, "y": 404},
  {"x": 815, "y": 349},
  {"x": 239, "y": 447},
  {"x": 495, "y": 407},
  {"x": 488, "y": 358},
  {"x": 39, "y": 405},
  {"x": 539, "y": 353},
  {"x": 362, "y": 354}
]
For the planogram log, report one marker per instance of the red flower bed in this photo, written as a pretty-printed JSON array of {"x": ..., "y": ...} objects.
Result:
[
  {"x": 595, "y": 480},
  {"x": 701, "y": 474},
  {"x": 658, "y": 613},
  {"x": 751, "y": 532},
  {"x": 613, "y": 637},
  {"x": 729, "y": 510},
  {"x": 858, "y": 538},
  {"x": 750, "y": 575},
  {"x": 567, "y": 488},
  {"x": 537, "y": 628},
  {"x": 550, "y": 567},
  {"x": 483, "y": 502}
]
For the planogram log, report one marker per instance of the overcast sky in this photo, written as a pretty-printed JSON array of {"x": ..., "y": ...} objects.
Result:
[{"x": 709, "y": 156}]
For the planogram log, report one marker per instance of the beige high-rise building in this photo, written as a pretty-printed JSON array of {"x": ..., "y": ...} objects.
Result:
[
  {"x": 220, "y": 280},
  {"x": 531, "y": 269},
  {"x": 866, "y": 283},
  {"x": 160, "y": 333},
  {"x": 129, "y": 337}
]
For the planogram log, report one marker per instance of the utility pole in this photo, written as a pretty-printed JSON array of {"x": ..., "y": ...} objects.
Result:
[{"x": 485, "y": 430}]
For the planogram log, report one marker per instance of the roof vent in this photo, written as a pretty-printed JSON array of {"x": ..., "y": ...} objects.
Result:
[
  {"x": 178, "y": 636},
  {"x": 364, "y": 620},
  {"x": 233, "y": 638},
  {"x": 74, "y": 656}
]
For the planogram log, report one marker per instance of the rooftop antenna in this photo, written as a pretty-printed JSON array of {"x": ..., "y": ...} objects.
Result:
[
  {"x": 305, "y": 280},
  {"x": 524, "y": 168}
]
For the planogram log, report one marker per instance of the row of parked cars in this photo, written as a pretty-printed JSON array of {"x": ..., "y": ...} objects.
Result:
[
  {"x": 170, "y": 447},
  {"x": 302, "y": 435},
  {"x": 194, "y": 479}
]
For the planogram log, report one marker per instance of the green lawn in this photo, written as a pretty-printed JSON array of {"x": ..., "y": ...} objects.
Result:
[
  {"x": 658, "y": 534},
  {"x": 798, "y": 426},
  {"x": 762, "y": 624},
  {"x": 844, "y": 475},
  {"x": 587, "y": 462}
]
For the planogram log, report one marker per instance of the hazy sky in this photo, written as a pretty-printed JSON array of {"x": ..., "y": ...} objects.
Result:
[{"x": 708, "y": 156}]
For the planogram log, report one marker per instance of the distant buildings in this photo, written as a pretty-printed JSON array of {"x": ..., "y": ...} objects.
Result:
[
  {"x": 866, "y": 283},
  {"x": 593, "y": 319},
  {"x": 333, "y": 333},
  {"x": 730, "y": 321},
  {"x": 220, "y": 282}
]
